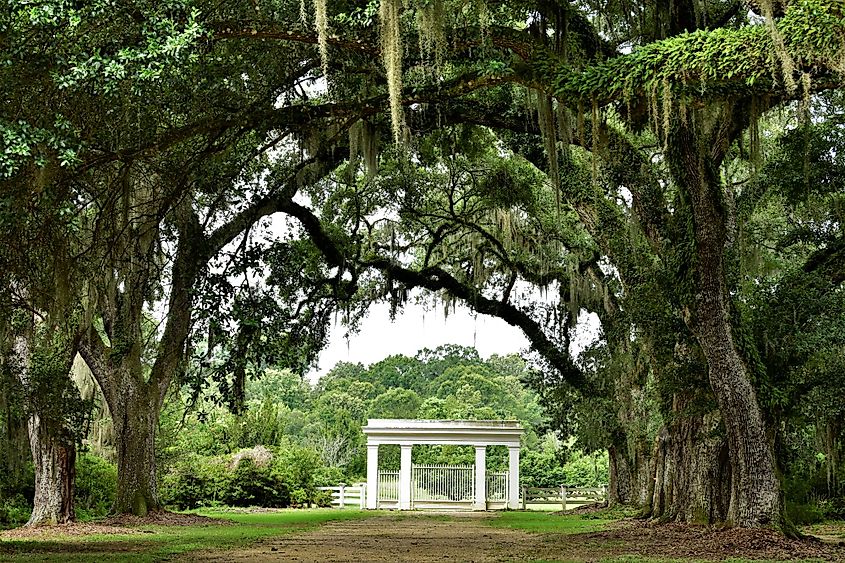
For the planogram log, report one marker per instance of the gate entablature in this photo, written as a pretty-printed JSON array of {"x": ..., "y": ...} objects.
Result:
[{"x": 478, "y": 433}]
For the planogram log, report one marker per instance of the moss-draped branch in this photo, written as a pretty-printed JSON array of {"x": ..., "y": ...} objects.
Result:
[{"x": 713, "y": 64}]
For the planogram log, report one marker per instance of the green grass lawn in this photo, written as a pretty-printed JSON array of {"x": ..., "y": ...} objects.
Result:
[
  {"x": 550, "y": 523},
  {"x": 159, "y": 542}
]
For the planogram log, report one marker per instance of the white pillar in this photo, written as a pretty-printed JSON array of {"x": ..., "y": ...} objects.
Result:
[
  {"x": 372, "y": 476},
  {"x": 513, "y": 477},
  {"x": 405, "y": 477},
  {"x": 480, "y": 478}
]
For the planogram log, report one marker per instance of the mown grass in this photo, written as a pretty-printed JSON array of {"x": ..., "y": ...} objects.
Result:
[
  {"x": 161, "y": 542},
  {"x": 550, "y": 523}
]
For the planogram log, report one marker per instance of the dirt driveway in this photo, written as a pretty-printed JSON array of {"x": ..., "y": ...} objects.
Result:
[
  {"x": 466, "y": 537},
  {"x": 458, "y": 537}
]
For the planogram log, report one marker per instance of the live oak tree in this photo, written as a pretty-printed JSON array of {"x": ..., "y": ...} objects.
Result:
[
  {"x": 147, "y": 167},
  {"x": 700, "y": 85},
  {"x": 699, "y": 76},
  {"x": 39, "y": 323}
]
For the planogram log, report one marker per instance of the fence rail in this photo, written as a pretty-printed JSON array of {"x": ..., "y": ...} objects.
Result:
[
  {"x": 343, "y": 495},
  {"x": 452, "y": 486},
  {"x": 563, "y": 495}
]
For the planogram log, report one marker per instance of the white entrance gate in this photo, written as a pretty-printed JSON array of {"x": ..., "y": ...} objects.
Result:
[
  {"x": 388, "y": 489},
  {"x": 497, "y": 488},
  {"x": 436, "y": 486}
]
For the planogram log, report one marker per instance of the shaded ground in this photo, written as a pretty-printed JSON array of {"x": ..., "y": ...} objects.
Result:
[
  {"x": 160, "y": 537},
  {"x": 831, "y": 533},
  {"x": 356, "y": 536},
  {"x": 676, "y": 541},
  {"x": 164, "y": 518},
  {"x": 76, "y": 529},
  {"x": 115, "y": 525},
  {"x": 393, "y": 537},
  {"x": 468, "y": 537}
]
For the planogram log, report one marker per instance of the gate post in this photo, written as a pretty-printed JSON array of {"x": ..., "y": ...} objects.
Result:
[
  {"x": 480, "y": 478},
  {"x": 513, "y": 477},
  {"x": 405, "y": 477},
  {"x": 372, "y": 476}
]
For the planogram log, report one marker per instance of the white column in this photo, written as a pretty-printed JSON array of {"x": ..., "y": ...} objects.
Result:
[
  {"x": 513, "y": 477},
  {"x": 405, "y": 477},
  {"x": 480, "y": 478},
  {"x": 372, "y": 476}
]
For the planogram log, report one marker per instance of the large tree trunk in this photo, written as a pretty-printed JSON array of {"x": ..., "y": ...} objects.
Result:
[
  {"x": 134, "y": 399},
  {"x": 631, "y": 475},
  {"x": 135, "y": 409},
  {"x": 55, "y": 474},
  {"x": 692, "y": 469},
  {"x": 619, "y": 486},
  {"x": 755, "y": 498},
  {"x": 135, "y": 405},
  {"x": 40, "y": 364}
]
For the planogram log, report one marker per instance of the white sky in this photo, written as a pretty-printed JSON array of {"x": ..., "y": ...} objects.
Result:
[{"x": 417, "y": 327}]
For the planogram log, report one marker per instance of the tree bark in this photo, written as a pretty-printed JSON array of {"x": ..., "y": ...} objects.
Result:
[
  {"x": 619, "y": 485},
  {"x": 55, "y": 474},
  {"x": 135, "y": 400},
  {"x": 631, "y": 475},
  {"x": 51, "y": 442},
  {"x": 135, "y": 428},
  {"x": 692, "y": 471},
  {"x": 135, "y": 406},
  {"x": 694, "y": 158}
]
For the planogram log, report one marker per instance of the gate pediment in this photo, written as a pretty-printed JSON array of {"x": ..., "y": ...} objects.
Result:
[{"x": 383, "y": 431}]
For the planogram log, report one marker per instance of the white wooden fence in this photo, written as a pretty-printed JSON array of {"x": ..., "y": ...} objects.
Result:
[
  {"x": 444, "y": 486},
  {"x": 567, "y": 497},
  {"x": 343, "y": 495}
]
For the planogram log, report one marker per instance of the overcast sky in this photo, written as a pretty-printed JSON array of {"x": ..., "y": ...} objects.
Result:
[{"x": 417, "y": 327}]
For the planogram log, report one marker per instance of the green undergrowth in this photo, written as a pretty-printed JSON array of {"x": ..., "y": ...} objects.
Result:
[
  {"x": 550, "y": 522},
  {"x": 156, "y": 543}
]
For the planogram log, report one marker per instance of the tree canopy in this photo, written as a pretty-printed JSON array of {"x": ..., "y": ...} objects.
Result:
[{"x": 671, "y": 168}]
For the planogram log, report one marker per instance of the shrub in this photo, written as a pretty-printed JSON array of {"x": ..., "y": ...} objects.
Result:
[
  {"x": 835, "y": 508},
  {"x": 541, "y": 469},
  {"x": 14, "y": 511},
  {"x": 253, "y": 485},
  {"x": 329, "y": 476},
  {"x": 259, "y": 455},
  {"x": 802, "y": 514},
  {"x": 323, "y": 499},
  {"x": 96, "y": 482},
  {"x": 252, "y": 477},
  {"x": 196, "y": 481},
  {"x": 295, "y": 467}
]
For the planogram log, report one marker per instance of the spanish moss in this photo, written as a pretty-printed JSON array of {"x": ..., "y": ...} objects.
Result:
[{"x": 391, "y": 52}]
